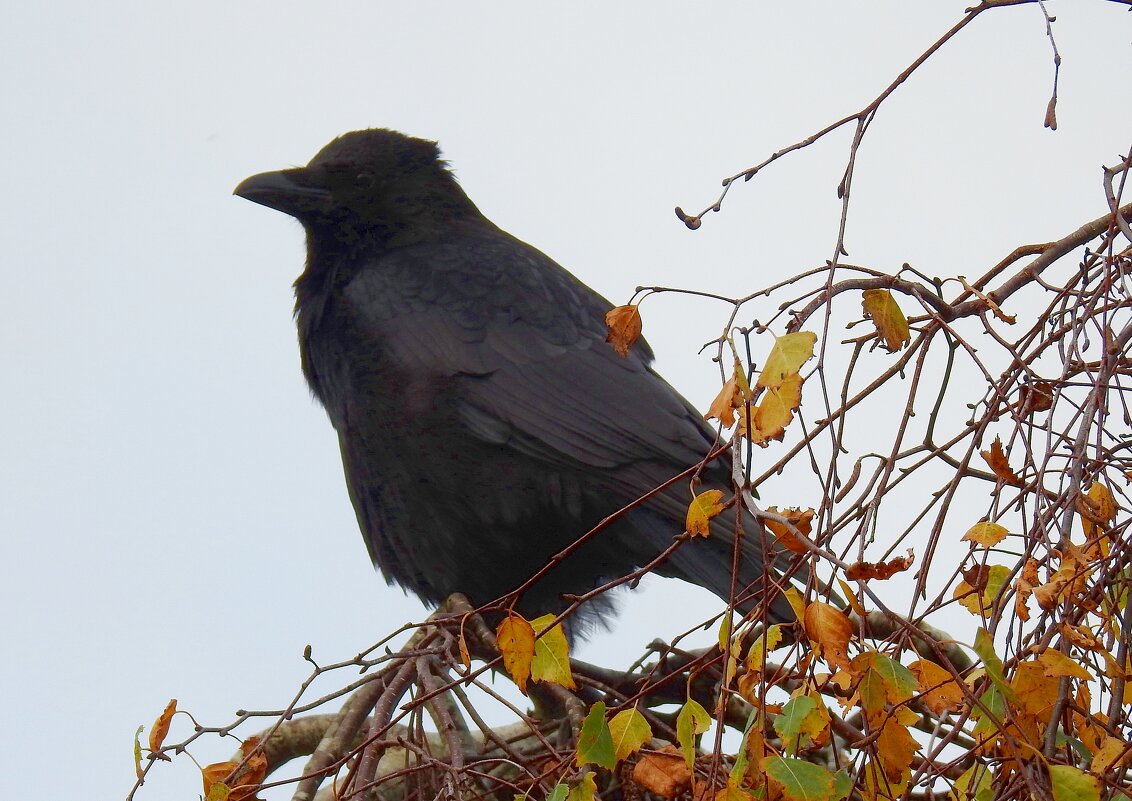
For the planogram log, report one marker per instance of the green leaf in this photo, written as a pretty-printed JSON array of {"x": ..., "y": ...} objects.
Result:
[
  {"x": 692, "y": 720},
  {"x": 552, "y": 654},
  {"x": 984, "y": 647},
  {"x": 789, "y": 724},
  {"x": 990, "y": 721},
  {"x": 595, "y": 742},
  {"x": 630, "y": 731},
  {"x": 558, "y": 793},
  {"x": 900, "y": 682},
  {"x": 1072, "y": 784},
  {"x": 804, "y": 780}
]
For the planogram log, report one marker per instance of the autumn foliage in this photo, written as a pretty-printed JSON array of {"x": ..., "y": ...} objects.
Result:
[{"x": 962, "y": 630}]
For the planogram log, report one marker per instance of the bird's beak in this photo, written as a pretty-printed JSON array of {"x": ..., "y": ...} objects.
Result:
[{"x": 289, "y": 191}]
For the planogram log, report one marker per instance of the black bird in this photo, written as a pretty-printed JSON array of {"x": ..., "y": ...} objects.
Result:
[{"x": 484, "y": 422}]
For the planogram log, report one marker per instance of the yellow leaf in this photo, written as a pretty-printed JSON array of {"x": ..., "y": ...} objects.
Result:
[
  {"x": 623, "y": 324},
  {"x": 551, "y": 661},
  {"x": 516, "y": 640},
  {"x": 584, "y": 790},
  {"x": 986, "y": 534},
  {"x": 630, "y": 731},
  {"x": 776, "y": 409},
  {"x": 701, "y": 510},
  {"x": 786, "y": 357},
  {"x": 884, "y": 311},
  {"x": 1055, "y": 663}
]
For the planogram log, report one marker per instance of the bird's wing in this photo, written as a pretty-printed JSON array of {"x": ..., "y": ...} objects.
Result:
[{"x": 524, "y": 342}]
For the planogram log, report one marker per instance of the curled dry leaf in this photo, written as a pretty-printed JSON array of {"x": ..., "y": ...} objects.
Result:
[
  {"x": 1036, "y": 396},
  {"x": 996, "y": 459},
  {"x": 161, "y": 729},
  {"x": 863, "y": 571},
  {"x": 623, "y": 324},
  {"x": 1009, "y": 319},
  {"x": 245, "y": 782}
]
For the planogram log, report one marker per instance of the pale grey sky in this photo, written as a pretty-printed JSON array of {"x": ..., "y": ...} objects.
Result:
[{"x": 174, "y": 517}]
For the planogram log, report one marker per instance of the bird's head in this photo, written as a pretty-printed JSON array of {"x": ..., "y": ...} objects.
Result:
[{"x": 374, "y": 185}]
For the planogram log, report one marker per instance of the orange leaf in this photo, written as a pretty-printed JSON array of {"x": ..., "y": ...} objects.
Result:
[
  {"x": 863, "y": 571},
  {"x": 801, "y": 520},
  {"x": 663, "y": 772},
  {"x": 896, "y": 748},
  {"x": 830, "y": 629},
  {"x": 624, "y": 327},
  {"x": 940, "y": 690},
  {"x": 701, "y": 510},
  {"x": 998, "y": 462},
  {"x": 735, "y": 393},
  {"x": 215, "y": 774},
  {"x": 515, "y": 638},
  {"x": 886, "y": 315},
  {"x": 161, "y": 728}
]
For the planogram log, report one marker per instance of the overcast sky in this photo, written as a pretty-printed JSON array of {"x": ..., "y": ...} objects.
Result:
[{"x": 174, "y": 517}]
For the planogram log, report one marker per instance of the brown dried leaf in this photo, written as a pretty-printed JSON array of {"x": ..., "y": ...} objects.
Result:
[
  {"x": 623, "y": 324},
  {"x": 663, "y": 772},
  {"x": 1036, "y": 396},
  {"x": 996, "y": 459},
  {"x": 734, "y": 394},
  {"x": 863, "y": 571}
]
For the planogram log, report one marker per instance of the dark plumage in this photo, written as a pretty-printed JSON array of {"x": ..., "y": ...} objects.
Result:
[{"x": 485, "y": 424}]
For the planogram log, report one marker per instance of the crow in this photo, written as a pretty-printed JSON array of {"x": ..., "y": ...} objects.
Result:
[{"x": 485, "y": 423}]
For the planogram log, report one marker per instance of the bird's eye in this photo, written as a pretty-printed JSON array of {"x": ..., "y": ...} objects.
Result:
[{"x": 364, "y": 180}]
